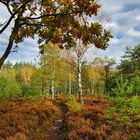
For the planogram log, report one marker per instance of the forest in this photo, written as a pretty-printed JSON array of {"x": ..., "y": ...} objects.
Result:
[{"x": 63, "y": 95}]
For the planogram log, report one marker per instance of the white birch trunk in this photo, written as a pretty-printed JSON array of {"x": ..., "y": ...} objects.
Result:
[
  {"x": 79, "y": 78},
  {"x": 70, "y": 83},
  {"x": 53, "y": 81}
]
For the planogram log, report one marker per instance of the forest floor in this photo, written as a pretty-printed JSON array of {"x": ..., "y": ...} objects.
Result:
[
  {"x": 64, "y": 119},
  {"x": 55, "y": 130}
]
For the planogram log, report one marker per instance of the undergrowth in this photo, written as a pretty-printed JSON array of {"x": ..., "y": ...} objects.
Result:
[
  {"x": 104, "y": 119},
  {"x": 28, "y": 119}
]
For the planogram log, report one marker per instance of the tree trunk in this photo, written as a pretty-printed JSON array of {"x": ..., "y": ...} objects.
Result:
[
  {"x": 9, "y": 47},
  {"x": 53, "y": 81},
  {"x": 12, "y": 36},
  {"x": 69, "y": 83},
  {"x": 52, "y": 90},
  {"x": 91, "y": 87},
  {"x": 106, "y": 81},
  {"x": 79, "y": 78},
  {"x": 42, "y": 85}
]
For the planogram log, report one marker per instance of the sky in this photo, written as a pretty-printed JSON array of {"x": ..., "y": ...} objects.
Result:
[{"x": 124, "y": 25}]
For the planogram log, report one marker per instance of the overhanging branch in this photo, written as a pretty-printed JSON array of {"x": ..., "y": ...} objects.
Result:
[
  {"x": 55, "y": 15},
  {"x": 13, "y": 15}
]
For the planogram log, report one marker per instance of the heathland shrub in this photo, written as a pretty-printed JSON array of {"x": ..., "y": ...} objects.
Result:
[
  {"x": 72, "y": 103},
  {"x": 30, "y": 117},
  {"x": 100, "y": 118}
]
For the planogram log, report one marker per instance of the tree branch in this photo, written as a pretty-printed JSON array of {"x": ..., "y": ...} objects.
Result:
[
  {"x": 13, "y": 15},
  {"x": 55, "y": 15},
  {"x": 8, "y": 22},
  {"x": 6, "y": 3},
  {"x": 14, "y": 51},
  {"x": 1, "y": 24}
]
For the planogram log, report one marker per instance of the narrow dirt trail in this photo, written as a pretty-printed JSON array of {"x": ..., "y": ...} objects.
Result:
[{"x": 54, "y": 132}]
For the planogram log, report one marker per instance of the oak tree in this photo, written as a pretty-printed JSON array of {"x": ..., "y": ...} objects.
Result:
[{"x": 56, "y": 21}]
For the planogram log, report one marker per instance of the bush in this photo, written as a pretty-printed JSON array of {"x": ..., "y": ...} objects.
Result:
[
  {"x": 9, "y": 88},
  {"x": 122, "y": 87},
  {"x": 32, "y": 90},
  {"x": 18, "y": 136},
  {"x": 72, "y": 103},
  {"x": 128, "y": 109},
  {"x": 25, "y": 89},
  {"x": 136, "y": 85},
  {"x": 22, "y": 119},
  {"x": 99, "y": 118}
]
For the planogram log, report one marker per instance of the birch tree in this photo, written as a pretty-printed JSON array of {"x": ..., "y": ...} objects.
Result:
[
  {"x": 50, "y": 61},
  {"x": 76, "y": 55}
]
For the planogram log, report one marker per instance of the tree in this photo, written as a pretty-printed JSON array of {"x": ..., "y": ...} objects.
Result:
[
  {"x": 92, "y": 78},
  {"x": 130, "y": 62},
  {"x": 104, "y": 67},
  {"x": 129, "y": 68},
  {"x": 50, "y": 62},
  {"x": 108, "y": 63},
  {"x": 26, "y": 74},
  {"x": 8, "y": 65},
  {"x": 70, "y": 69},
  {"x": 9, "y": 88},
  {"x": 125, "y": 81},
  {"x": 55, "y": 21},
  {"x": 74, "y": 58}
]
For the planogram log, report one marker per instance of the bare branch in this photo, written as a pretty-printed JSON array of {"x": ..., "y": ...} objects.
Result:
[
  {"x": 14, "y": 51},
  {"x": 8, "y": 22},
  {"x": 1, "y": 24},
  {"x": 12, "y": 16},
  {"x": 6, "y": 3}
]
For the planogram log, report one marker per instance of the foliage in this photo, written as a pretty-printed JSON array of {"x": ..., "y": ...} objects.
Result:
[
  {"x": 18, "y": 136},
  {"x": 72, "y": 103},
  {"x": 97, "y": 121},
  {"x": 26, "y": 119},
  {"x": 125, "y": 113},
  {"x": 126, "y": 81},
  {"x": 136, "y": 84},
  {"x": 131, "y": 60},
  {"x": 120, "y": 86},
  {"x": 9, "y": 88},
  {"x": 8, "y": 65},
  {"x": 123, "y": 88},
  {"x": 124, "y": 105},
  {"x": 58, "y": 22}
]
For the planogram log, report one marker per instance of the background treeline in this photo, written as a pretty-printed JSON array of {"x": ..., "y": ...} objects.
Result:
[
  {"x": 110, "y": 108},
  {"x": 56, "y": 73}
]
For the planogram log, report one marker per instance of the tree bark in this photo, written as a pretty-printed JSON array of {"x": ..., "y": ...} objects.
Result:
[
  {"x": 79, "y": 78},
  {"x": 70, "y": 83},
  {"x": 106, "y": 80},
  {"x": 91, "y": 87},
  {"x": 53, "y": 81},
  {"x": 12, "y": 38},
  {"x": 9, "y": 47}
]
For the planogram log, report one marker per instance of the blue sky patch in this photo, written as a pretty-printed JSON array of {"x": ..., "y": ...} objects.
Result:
[{"x": 130, "y": 7}]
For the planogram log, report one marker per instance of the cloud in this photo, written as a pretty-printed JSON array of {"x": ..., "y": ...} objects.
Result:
[
  {"x": 4, "y": 15},
  {"x": 124, "y": 26},
  {"x": 138, "y": 18},
  {"x": 27, "y": 51},
  {"x": 133, "y": 33}
]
